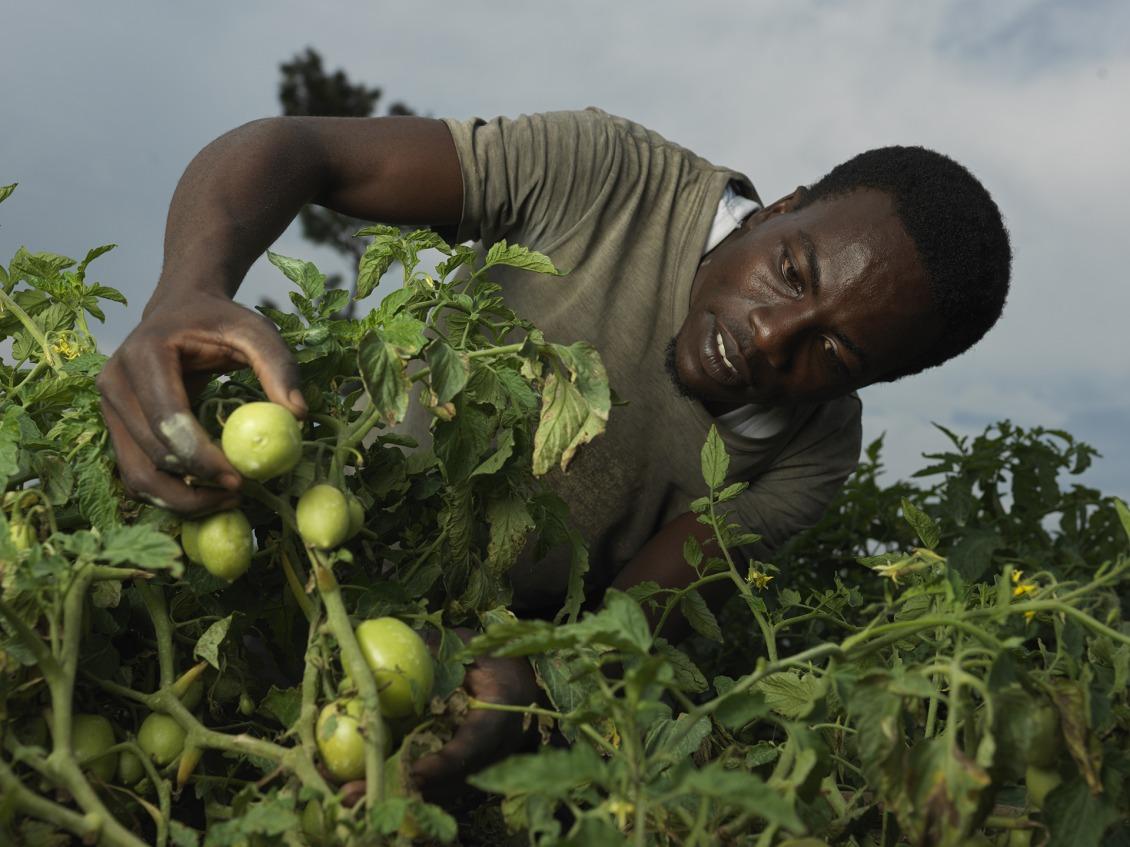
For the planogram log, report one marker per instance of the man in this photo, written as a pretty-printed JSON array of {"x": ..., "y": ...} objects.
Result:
[{"x": 765, "y": 318}]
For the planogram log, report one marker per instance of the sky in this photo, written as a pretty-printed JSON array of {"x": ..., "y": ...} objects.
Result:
[{"x": 102, "y": 105}]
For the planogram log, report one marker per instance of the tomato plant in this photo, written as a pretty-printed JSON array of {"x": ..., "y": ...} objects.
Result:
[{"x": 890, "y": 676}]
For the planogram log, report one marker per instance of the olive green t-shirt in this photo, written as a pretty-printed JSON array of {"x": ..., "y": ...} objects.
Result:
[{"x": 626, "y": 214}]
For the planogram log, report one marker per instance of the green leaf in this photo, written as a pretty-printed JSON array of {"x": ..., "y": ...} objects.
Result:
[
  {"x": 516, "y": 256},
  {"x": 673, "y": 740},
  {"x": 142, "y": 547},
  {"x": 692, "y": 551},
  {"x": 304, "y": 274},
  {"x": 96, "y": 496},
  {"x": 698, "y": 615},
  {"x": 494, "y": 462},
  {"x": 208, "y": 645},
  {"x": 1123, "y": 515},
  {"x": 744, "y": 791},
  {"x": 449, "y": 370},
  {"x": 688, "y": 677},
  {"x": 973, "y": 554},
  {"x": 460, "y": 443},
  {"x": 183, "y": 836},
  {"x": 405, "y": 333},
  {"x": 621, "y": 623},
  {"x": 283, "y": 704},
  {"x": 1076, "y": 816},
  {"x": 715, "y": 461},
  {"x": 510, "y": 523},
  {"x": 790, "y": 693},
  {"x": 922, "y": 524},
  {"x": 385, "y": 376},
  {"x": 574, "y": 411},
  {"x": 6, "y": 191},
  {"x": 552, "y": 772}
]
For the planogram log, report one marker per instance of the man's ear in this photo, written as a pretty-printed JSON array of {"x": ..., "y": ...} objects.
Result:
[{"x": 787, "y": 203}]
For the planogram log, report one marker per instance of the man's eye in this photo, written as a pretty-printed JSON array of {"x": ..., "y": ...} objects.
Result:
[
  {"x": 833, "y": 358},
  {"x": 789, "y": 272}
]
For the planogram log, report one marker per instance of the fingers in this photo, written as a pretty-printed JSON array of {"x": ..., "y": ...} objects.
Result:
[
  {"x": 145, "y": 481},
  {"x": 263, "y": 349}
]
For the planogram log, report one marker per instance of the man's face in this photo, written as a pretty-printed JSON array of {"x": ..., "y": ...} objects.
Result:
[{"x": 808, "y": 305}]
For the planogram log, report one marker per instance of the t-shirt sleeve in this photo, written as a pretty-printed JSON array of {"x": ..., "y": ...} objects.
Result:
[
  {"x": 533, "y": 178},
  {"x": 793, "y": 493}
]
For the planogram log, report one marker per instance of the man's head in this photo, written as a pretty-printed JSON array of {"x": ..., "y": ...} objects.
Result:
[{"x": 894, "y": 262}]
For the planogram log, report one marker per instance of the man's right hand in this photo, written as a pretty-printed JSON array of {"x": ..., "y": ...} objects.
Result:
[
  {"x": 235, "y": 198},
  {"x": 147, "y": 388}
]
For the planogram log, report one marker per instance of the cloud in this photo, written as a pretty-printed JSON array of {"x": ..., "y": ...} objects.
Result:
[{"x": 104, "y": 109}]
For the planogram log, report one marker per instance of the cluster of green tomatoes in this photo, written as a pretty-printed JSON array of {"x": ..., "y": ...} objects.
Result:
[{"x": 263, "y": 440}]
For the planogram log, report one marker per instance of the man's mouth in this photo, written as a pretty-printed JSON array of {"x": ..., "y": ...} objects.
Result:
[{"x": 716, "y": 357}]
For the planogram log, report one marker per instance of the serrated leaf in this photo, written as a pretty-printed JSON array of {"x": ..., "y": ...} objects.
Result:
[
  {"x": 688, "y": 677},
  {"x": 283, "y": 704},
  {"x": 673, "y": 740},
  {"x": 692, "y": 551},
  {"x": 574, "y": 411},
  {"x": 449, "y": 370},
  {"x": 405, "y": 333},
  {"x": 516, "y": 256},
  {"x": 715, "y": 461},
  {"x": 385, "y": 377},
  {"x": 510, "y": 523},
  {"x": 140, "y": 546},
  {"x": 460, "y": 443},
  {"x": 698, "y": 615},
  {"x": 973, "y": 554},
  {"x": 304, "y": 274},
  {"x": 922, "y": 524},
  {"x": 790, "y": 693},
  {"x": 552, "y": 772},
  {"x": 96, "y": 497},
  {"x": 208, "y": 645},
  {"x": 745, "y": 791}
]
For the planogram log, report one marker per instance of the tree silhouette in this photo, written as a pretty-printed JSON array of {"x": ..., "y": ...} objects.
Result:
[{"x": 306, "y": 89}]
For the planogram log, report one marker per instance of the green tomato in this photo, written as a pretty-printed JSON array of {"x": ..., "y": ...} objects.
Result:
[
  {"x": 90, "y": 736},
  {"x": 23, "y": 535},
  {"x": 401, "y": 664},
  {"x": 1044, "y": 738},
  {"x": 313, "y": 822},
  {"x": 262, "y": 440},
  {"x": 323, "y": 517},
  {"x": 225, "y": 544},
  {"x": 162, "y": 738},
  {"x": 130, "y": 769},
  {"x": 1019, "y": 837},
  {"x": 340, "y": 741},
  {"x": 1040, "y": 783},
  {"x": 246, "y": 704},
  {"x": 190, "y": 540},
  {"x": 356, "y": 515}
]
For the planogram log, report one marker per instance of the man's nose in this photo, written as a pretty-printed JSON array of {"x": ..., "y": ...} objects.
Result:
[{"x": 777, "y": 329}]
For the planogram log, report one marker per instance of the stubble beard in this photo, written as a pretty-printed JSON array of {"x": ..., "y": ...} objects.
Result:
[{"x": 673, "y": 373}]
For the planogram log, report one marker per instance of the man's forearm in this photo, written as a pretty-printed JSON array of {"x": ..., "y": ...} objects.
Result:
[
  {"x": 661, "y": 561},
  {"x": 243, "y": 189},
  {"x": 235, "y": 198}
]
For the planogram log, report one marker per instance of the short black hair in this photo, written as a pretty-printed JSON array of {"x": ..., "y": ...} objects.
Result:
[{"x": 956, "y": 228}]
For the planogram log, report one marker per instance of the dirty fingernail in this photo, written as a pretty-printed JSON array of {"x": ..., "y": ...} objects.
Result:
[{"x": 231, "y": 481}]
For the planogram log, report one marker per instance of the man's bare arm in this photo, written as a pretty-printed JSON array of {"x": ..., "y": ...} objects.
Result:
[{"x": 234, "y": 199}]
